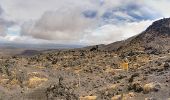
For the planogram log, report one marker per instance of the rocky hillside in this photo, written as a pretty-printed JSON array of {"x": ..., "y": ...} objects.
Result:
[
  {"x": 155, "y": 38},
  {"x": 134, "y": 69}
]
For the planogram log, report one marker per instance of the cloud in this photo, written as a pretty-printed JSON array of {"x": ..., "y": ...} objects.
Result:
[
  {"x": 161, "y": 6},
  {"x": 77, "y": 21},
  {"x": 111, "y": 33},
  {"x": 22, "y": 39},
  {"x": 2, "y": 30},
  {"x": 65, "y": 24},
  {"x": 4, "y": 23},
  {"x": 129, "y": 12},
  {"x": 71, "y": 20},
  {"x": 102, "y": 35},
  {"x": 1, "y": 10},
  {"x": 34, "y": 9}
]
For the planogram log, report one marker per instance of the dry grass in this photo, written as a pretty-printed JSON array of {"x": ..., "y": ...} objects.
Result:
[
  {"x": 128, "y": 96},
  {"x": 40, "y": 67},
  {"x": 36, "y": 81},
  {"x": 14, "y": 82},
  {"x": 125, "y": 66}
]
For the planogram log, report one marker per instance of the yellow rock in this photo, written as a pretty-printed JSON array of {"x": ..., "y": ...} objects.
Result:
[
  {"x": 118, "y": 70},
  {"x": 88, "y": 98},
  {"x": 123, "y": 96},
  {"x": 168, "y": 99},
  {"x": 110, "y": 70},
  {"x": 77, "y": 71},
  {"x": 113, "y": 86},
  {"x": 151, "y": 87},
  {"x": 117, "y": 97},
  {"x": 131, "y": 94}
]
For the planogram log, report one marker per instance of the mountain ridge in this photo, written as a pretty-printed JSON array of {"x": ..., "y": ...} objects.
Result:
[{"x": 156, "y": 36}]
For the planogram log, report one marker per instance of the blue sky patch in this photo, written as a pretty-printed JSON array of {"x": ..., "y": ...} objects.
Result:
[
  {"x": 130, "y": 13},
  {"x": 90, "y": 13}
]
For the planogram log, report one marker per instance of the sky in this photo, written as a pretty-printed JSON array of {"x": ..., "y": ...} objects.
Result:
[{"x": 77, "y": 21}]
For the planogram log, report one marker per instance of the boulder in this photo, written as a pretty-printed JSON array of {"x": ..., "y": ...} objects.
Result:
[{"x": 153, "y": 86}]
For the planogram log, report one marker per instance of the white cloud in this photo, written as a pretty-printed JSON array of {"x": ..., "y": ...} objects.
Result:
[
  {"x": 161, "y": 6},
  {"x": 4, "y": 23},
  {"x": 22, "y": 10},
  {"x": 102, "y": 35},
  {"x": 66, "y": 23},
  {"x": 22, "y": 39},
  {"x": 62, "y": 21},
  {"x": 63, "y": 25},
  {"x": 111, "y": 33}
]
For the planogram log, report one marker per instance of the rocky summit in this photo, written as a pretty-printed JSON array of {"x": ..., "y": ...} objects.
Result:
[
  {"x": 134, "y": 69},
  {"x": 155, "y": 39}
]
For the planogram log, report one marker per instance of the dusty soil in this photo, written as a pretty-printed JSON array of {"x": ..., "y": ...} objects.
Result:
[{"x": 76, "y": 74}]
